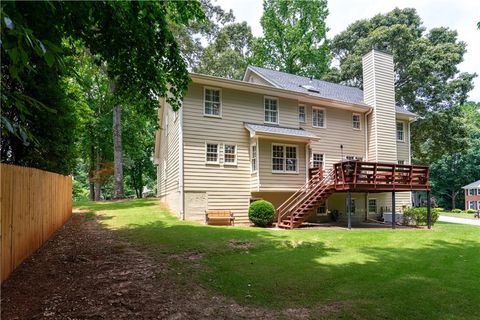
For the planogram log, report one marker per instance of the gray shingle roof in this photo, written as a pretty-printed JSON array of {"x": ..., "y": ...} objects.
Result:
[
  {"x": 475, "y": 184},
  {"x": 325, "y": 89},
  {"x": 277, "y": 130}
]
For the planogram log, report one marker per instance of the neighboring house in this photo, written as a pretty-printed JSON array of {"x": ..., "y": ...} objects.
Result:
[
  {"x": 233, "y": 142},
  {"x": 472, "y": 195}
]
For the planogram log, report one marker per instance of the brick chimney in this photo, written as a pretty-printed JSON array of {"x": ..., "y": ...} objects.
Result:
[{"x": 379, "y": 92}]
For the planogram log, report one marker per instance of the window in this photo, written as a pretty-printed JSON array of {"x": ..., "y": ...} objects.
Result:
[
  {"x": 471, "y": 192},
  {"x": 284, "y": 158},
  {"x": 211, "y": 153},
  {"x": 353, "y": 158},
  {"x": 254, "y": 158},
  {"x": 372, "y": 205},
  {"x": 356, "y": 121},
  {"x": 400, "y": 131},
  {"x": 317, "y": 160},
  {"x": 212, "y": 102},
  {"x": 401, "y": 161},
  {"x": 318, "y": 117},
  {"x": 471, "y": 204},
  {"x": 353, "y": 206},
  {"x": 271, "y": 110},
  {"x": 301, "y": 114},
  {"x": 322, "y": 210},
  {"x": 230, "y": 154}
]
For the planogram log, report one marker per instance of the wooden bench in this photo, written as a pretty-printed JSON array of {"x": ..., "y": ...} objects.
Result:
[{"x": 219, "y": 217}]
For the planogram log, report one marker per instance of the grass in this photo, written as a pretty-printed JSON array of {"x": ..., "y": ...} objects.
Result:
[
  {"x": 457, "y": 215},
  {"x": 372, "y": 274}
]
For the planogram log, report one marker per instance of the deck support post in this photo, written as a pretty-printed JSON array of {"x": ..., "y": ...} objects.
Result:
[
  {"x": 429, "y": 221},
  {"x": 393, "y": 210},
  {"x": 349, "y": 208}
]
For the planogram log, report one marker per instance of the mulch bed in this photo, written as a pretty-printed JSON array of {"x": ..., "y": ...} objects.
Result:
[{"x": 88, "y": 272}]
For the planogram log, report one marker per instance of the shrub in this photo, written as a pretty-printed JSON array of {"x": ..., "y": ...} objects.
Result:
[
  {"x": 457, "y": 211},
  {"x": 470, "y": 211},
  {"x": 440, "y": 209},
  {"x": 261, "y": 213},
  {"x": 418, "y": 216}
]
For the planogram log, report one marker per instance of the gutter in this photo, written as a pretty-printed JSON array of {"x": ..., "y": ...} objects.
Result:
[{"x": 182, "y": 165}]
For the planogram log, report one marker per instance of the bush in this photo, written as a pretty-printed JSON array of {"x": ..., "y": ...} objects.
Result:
[
  {"x": 261, "y": 213},
  {"x": 457, "y": 211},
  {"x": 440, "y": 209},
  {"x": 418, "y": 216},
  {"x": 470, "y": 211}
]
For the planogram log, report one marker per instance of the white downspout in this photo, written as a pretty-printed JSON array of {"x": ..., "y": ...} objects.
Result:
[{"x": 181, "y": 169}]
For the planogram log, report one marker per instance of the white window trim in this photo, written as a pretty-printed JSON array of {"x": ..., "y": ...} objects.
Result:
[
  {"x": 323, "y": 155},
  {"x": 284, "y": 171},
  {"x": 324, "y": 117},
  {"x": 256, "y": 158},
  {"x": 359, "y": 121},
  {"x": 236, "y": 154},
  {"x": 218, "y": 153},
  {"x": 403, "y": 130},
  {"x": 368, "y": 205},
  {"x": 221, "y": 102},
  {"x": 470, "y": 204},
  {"x": 304, "y": 113},
  {"x": 471, "y": 190},
  {"x": 278, "y": 109}
]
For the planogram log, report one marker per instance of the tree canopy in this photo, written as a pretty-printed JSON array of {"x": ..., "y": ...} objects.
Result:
[{"x": 294, "y": 38}]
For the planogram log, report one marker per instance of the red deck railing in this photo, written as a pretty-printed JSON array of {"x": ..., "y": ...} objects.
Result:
[{"x": 374, "y": 176}]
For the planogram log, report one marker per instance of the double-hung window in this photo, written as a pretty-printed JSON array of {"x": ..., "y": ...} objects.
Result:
[
  {"x": 401, "y": 161},
  {"x": 471, "y": 192},
  {"x": 301, "y": 114},
  {"x": 400, "y": 131},
  {"x": 471, "y": 204},
  {"x": 211, "y": 154},
  {"x": 318, "y": 117},
  {"x": 212, "y": 102},
  {"x": 317, "y": 160},
  {"x": 271, "y": 110},
  {"x": 372, "y": 205},
  {"x": 230, "y": 154},
  {"x": 284, "y": 158},
  {"x": 254, "y": 158},
  {"x": 356, "y": 121}
]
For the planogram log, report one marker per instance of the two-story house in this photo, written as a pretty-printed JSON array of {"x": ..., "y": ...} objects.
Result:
[
  {"x": 234, "y": 141},
  {"x": 472, "y": 195}
]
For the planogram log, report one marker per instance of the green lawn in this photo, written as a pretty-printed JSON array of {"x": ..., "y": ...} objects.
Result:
[
  {"x": 457, "y": 215},
  {"x": 381, "y": 274}
]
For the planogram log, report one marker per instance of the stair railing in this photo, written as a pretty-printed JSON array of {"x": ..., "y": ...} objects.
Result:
[{"x": 308, "y": 188}]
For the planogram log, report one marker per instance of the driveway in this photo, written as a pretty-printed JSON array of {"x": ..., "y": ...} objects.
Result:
[{"x": 459, "y": 220}]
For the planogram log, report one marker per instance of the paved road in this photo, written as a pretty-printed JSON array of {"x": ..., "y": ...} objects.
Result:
[{"x": 475, "y": 222}]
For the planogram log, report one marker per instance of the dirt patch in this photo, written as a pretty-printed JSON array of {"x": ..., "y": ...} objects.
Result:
[{"x": 88, "y": 272}]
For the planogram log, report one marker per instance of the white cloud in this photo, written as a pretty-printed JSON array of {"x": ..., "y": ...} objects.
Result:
[{"x": 460, "y": 15}]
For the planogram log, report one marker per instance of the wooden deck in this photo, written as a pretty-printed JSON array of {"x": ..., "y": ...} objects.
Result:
[{"x": 363, "y": 176}]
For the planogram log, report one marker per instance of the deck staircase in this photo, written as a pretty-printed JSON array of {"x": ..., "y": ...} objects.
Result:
[{"x": 293, "y": 212}]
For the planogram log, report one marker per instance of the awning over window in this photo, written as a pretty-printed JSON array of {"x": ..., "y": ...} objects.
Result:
[{"x": 279, "y": 132}]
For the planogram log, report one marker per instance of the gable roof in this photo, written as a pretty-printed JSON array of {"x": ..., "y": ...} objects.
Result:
[
  {"x": 475, "y": 184},
  {"x": 323, "y": 89}
]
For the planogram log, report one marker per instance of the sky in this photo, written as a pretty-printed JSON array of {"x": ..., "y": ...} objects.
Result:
[{"x": 460, "y": 15}]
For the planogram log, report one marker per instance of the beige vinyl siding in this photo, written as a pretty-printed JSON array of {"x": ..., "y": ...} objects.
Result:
[
  {"x": 379, "y": 93},
  {"x": 225, "y": 187},
  {"x": 253, "y": 78},
  {"x": 338, "y": 132},
  {"x": 168, "y": 169},
  {"x": 275, "y": 181},
  {"x": 403, "y": 148}
]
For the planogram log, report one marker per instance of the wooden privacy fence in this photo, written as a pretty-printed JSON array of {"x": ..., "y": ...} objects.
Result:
[{"x": 33, "y": 204}]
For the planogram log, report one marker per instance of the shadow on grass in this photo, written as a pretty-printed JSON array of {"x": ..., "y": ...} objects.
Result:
[
  {"x": 369, "y": 274},
  {"x": 115, "y": 204}
]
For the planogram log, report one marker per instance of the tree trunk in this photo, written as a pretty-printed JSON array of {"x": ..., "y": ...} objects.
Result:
[
  {"x": 454, "y": 197},
  {"x": 117, "y": 154},
  {"x": 98, "y": 184},
  {"x": 91, "y": 167}
]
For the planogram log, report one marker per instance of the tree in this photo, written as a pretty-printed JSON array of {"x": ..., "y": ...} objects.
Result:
[
  {"x": 228, "y": 55},
  {"x": 452, "y": 171},
  {"x": 426, "y": 75},
  {"x": 140, "y": 55},
  {"x": 294, "y": 38}
]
